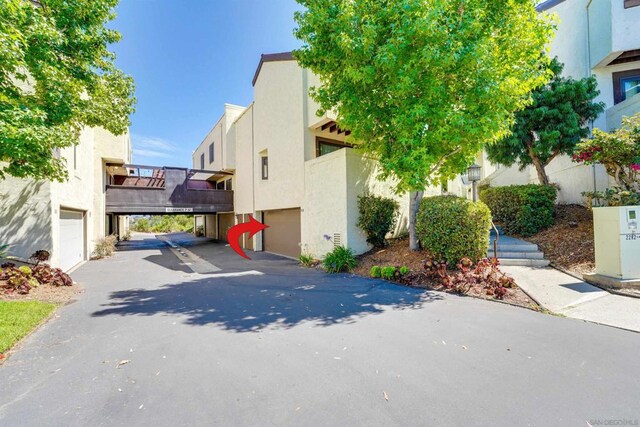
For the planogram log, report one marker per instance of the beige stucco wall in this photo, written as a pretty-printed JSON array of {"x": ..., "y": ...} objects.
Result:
[
  {"x": 214, "y": 136},
  {"x": 244, "y": 173},
  {"x": 30, "y": 210},
  {"x": 76, "y": 193},
  {"x": 333, "y": 183},
  {"x": 278, "y": 113},
  {"x": 590, "y": 34},
  {"x": 25, "y": 215},
  {"x": 108, "y": 148}
]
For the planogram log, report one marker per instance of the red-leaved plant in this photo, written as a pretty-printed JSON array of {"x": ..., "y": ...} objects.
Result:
[{"x": 485, "y": 274}]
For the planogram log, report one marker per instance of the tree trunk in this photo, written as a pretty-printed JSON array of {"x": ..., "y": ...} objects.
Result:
[
  {"x": 537, "y": 163},
  {"x": 414, "y": 206}
]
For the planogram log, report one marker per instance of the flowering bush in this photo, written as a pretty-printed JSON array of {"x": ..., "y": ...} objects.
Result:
[{"x": 618, "y": 151}]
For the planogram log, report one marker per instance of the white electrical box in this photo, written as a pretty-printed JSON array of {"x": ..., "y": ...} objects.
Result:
[{"x": 617, "y": 241}]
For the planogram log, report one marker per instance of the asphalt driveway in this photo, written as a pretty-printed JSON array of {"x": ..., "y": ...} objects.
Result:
[{"x": 265, "y": 342}]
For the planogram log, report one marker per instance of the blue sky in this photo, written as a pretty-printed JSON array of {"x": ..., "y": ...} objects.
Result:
[{"x": 188, "y": 58}]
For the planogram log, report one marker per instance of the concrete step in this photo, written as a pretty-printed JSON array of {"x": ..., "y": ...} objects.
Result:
[
  {"x": 524, "y": 262},
  {"x": 517, "y": 254},
  {"x": 507, "y": 247}
]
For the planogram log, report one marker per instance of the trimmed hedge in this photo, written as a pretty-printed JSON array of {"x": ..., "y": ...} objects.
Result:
[
  {"x": 451, "y": 228},
  {"x": 377, "y": 217},
  {"x": 521, "y": 209}
]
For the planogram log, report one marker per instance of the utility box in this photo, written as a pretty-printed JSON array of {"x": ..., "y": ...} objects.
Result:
[{"x": 617, "y": 241}]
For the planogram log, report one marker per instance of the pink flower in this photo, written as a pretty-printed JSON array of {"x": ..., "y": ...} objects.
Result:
[{"x": 635, "y": 167}]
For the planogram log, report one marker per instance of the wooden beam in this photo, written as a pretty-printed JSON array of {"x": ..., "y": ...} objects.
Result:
[{"x": 326, "y": 125}]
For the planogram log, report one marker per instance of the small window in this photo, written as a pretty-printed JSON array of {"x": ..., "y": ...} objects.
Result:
[
  {"x": 220, "y": 185},
  {"x": 202, "y": 161},
  {"x": 265, "y": 167},
  {"x": 211, "y": 153},
  {"x": 625, "y": 85},
  {"x": 75, "y": 157},
  {"x": 228, "y": 185}
]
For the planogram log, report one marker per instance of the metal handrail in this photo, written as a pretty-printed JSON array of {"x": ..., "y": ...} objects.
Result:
[{"x": 495, "y": 241}]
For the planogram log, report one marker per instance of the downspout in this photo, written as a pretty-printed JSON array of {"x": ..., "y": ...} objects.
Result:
[{"x": 593, "y": 167}]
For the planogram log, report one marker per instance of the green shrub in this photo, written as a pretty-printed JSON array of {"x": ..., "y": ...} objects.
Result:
[
  {"x": 388, "y": 273},
  {"x": 377, "y": 217},
  {"x": 521, "y": 209},
  {"x": 340, "y": 259},
  {"x": 453, "y": 228},
  {"x": 307, "y": 260},
  {"x": 404, "y": 270},
  {"x": 375, "y": 272}
]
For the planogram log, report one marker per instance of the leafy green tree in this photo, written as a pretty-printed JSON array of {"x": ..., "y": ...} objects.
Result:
[
  {"x": 56, "y": 76},
  {"x": 423, "y": 85},
  {"x": 556, "y": 121}
]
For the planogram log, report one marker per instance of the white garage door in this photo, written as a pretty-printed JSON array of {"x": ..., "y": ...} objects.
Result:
[{"x": 71, "y": 239}]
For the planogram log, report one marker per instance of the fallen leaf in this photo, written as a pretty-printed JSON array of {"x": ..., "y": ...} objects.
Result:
[
  {"x": 140, "y": 407},
  {"x": 123, "y": 362},
  {"x": 385, "y": 395},
  {"x": 464, "y": 347}
]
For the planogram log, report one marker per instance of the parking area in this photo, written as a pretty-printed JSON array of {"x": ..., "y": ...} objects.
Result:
[{"x": 266, "y": 342}]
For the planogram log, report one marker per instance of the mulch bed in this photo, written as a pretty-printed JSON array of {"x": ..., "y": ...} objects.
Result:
[
  {"x": 45, "y": 293},
  {"x": 398, "y": 254},
  {"x": 569, "y": 242}
]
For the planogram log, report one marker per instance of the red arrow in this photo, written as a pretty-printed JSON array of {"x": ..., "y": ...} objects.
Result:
[{"x": 234, "y": 233}]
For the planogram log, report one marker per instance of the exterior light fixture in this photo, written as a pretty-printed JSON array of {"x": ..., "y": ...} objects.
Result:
[{"x": 474, "y": 174}]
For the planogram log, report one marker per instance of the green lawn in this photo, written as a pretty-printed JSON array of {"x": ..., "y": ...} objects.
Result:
[{"x": 18, "y": 318}]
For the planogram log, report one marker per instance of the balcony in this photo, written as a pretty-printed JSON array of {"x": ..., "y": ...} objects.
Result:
[{"x": 135, "y": 189}]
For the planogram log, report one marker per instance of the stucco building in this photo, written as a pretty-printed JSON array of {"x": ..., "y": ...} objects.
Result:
[
  {"x": 65, "y": 218},
  {"x": 599, "y": 38},
  {"x": 291, "y": 169}
]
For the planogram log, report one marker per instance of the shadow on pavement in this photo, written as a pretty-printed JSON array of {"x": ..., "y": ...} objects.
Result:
[{"x": 252, "y": 303}]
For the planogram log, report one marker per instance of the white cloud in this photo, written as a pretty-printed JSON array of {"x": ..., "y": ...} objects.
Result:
[{"x": 150, "y": 147}]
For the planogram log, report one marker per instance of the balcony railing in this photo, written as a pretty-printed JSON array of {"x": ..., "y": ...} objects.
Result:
[{"x": 136, "y": 189}]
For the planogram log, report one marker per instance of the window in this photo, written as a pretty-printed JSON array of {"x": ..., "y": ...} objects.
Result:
[
  {"x": 75, "y": 157},
  {"x": 324, "y": 146},
  {"x": 625, "y": 85},
  {"x": 202, "y": 161},
  {"x": 228, "y": 185},
  {"x": 211, "y": 153},
  {"x": 265, "y": 167},
  {"x": 220, "y": 185}
]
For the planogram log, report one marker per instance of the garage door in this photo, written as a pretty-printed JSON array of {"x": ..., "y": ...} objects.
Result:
[
  {"x": 225, "y": 222},
  {"x": 71, "y": 239},
  {"x": 283, "y": 235}
]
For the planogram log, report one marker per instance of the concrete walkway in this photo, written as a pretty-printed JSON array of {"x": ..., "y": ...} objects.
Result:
[{"x": 563, "y": 294}]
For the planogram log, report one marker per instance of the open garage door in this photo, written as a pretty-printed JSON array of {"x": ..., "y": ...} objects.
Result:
[
  {"x": 71, "y": 239},
  {"x": 283, "y": 235}
]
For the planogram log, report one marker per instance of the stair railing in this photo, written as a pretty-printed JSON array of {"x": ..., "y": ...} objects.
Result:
[{"x": 495, "y": 241}]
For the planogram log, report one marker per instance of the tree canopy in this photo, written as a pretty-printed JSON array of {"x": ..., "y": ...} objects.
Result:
[
  {"x": 423, "y": 85},
  {"x": 57, "y": 75},
  {"x": 552, "y": 125}
]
